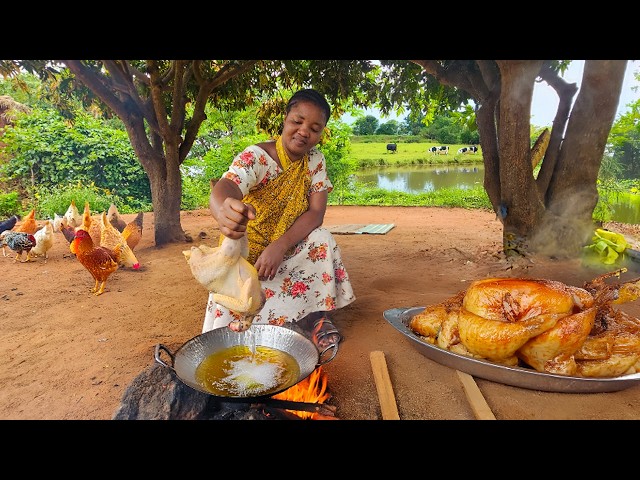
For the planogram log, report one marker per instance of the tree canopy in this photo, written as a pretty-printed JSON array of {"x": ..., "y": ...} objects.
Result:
[{"x": 162, "y": 105}]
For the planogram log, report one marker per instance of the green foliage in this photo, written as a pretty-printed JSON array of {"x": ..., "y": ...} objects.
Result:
[
  {"x": 340, "y": 165},
  {"x": 9, "y": 205},
  {"x": 388, "y": 128},
  {"x": 365, "y": 125},
  {"x": 197, "y": 173},
  {"x": 52, "y": 200},
  {"x": 44, "y": 150},
  {"x": 624, "y": 142}
]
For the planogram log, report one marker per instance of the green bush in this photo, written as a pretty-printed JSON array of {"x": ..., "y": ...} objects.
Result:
[
  {"x": 57, "y": 200},
  {"x": 9, "y": 205}
]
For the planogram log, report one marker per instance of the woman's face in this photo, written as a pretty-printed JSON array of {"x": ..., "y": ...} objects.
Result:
[{"x": 302, "y": 129}]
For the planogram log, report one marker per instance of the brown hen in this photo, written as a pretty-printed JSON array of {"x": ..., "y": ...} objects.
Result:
[
  {"x": 99, "y": 261},
  {"x": 132, "y": 233},
  {"x": 28, "y": 224}
]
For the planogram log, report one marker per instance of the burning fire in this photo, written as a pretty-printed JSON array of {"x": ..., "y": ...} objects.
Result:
[{"x": 312, "y": 389}]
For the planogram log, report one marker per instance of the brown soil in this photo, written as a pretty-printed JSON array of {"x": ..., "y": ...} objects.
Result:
[{"x": 68, "y": 354}]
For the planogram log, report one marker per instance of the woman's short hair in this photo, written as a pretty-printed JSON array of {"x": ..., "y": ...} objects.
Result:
[{"x": 313, "y": 96}]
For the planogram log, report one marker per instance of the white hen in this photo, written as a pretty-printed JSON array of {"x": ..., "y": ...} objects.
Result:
[{"x": 44, "y": 240}]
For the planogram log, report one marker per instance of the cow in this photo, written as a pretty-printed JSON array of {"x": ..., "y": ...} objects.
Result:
[
  {"x": 392, "y": 147},
  {"x": 472, "y": 149},
  {"x": 442, "y": 150}
]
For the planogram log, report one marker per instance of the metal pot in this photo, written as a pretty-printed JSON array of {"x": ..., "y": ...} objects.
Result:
[{"x": 186, "y": 359}]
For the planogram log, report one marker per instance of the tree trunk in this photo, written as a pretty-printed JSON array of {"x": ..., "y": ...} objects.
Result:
[
  {"x": 572, "y": 194},
  {"x": 520, "y": 204},
  {"x": 166, "y": 194}
]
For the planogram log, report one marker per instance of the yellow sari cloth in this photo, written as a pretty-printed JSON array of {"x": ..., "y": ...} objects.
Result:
[{"x": 278, "y": 204}]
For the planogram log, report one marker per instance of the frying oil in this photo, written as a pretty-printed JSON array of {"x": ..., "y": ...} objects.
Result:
[{"x": 247, "y": 371}]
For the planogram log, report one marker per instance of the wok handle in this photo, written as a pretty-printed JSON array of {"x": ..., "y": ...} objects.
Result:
[
  {"x": 160, "y": 347},
  {"x": 324, "y": 356}
]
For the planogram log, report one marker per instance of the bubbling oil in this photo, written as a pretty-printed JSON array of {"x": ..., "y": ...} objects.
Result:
[{"x": 247, "y": 371}]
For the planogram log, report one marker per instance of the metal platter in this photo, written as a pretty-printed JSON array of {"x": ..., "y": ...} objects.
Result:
[{"x": 516, "y": 376}]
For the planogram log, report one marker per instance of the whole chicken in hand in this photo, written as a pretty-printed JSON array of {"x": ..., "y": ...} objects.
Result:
[
  {"x": 225, "y": 271},
  {"x": 99, "y": 261}
]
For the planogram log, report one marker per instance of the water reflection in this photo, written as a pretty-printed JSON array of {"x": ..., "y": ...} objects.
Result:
[
  {"x": 416, "y": 179},
  {"x": 423, "y": 179}
]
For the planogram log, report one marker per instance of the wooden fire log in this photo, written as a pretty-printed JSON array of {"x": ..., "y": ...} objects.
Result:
[
  {"x": 383, "y": 385},
  {"x": 320, "y": 408}
]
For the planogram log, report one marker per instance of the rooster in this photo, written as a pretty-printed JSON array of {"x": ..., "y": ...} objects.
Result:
[
  {"x": 18, "y": 242},
  {"x": 44, "y": 240},
  {"x": 9, "y": 223},
  {"x": 99, "y": 261},
  {"x": 28, "y": 224},
  {"x": 133, "y": 231},
  {"x": 115, "y": 219}
]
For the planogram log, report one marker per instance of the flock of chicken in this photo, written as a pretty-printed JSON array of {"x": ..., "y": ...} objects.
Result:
[{"x": 101, "y": 244}]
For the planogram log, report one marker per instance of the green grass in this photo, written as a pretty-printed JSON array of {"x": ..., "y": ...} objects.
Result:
[{"x": 375, "y": 155}]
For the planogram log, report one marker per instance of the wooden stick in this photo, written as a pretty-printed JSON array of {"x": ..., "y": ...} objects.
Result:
[
  {"x": 478, "y": 403},
  {"x": 383, "y": 386}
]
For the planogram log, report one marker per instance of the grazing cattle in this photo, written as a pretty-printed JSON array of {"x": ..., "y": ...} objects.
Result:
[
  {"x": 442, "y": 150},
  {"x": 472, "y": 149},
  {"x": 392, "y": 147}
]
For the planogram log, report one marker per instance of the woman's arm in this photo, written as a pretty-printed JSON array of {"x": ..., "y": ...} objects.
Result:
[
  {"x": 232, "y": 215},
  {"x": 268, "y": 262}
]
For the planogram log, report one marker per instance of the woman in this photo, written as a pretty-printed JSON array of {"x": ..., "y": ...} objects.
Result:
[{"x": 276, "y": 193}]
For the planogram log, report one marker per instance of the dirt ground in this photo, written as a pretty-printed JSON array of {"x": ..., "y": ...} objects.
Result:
[{"x": 69, "y": 355}]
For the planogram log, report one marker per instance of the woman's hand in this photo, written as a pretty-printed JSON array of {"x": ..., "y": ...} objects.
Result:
[
  {"x": 233, "y": 216},
  {"x": 269, "y": 260}
]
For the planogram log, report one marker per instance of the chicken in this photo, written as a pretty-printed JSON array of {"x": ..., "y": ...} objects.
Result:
[
  {"x": 547, "y": 325},
  {"x": 73, "y": 216},
  {"x": 18, "y": 242},
  {"x": 44, "y": 240},
  {"x": 132, "y": 233},
  {"x": 56, "y": 221},
  {"x": 115, "y": 219},
  {"x": 99, "y": 261},
  {"x": 28, "y": 224},
  {"x": 91, "y": 225},
  {"x": 110, "y": 237},
  {"x": 225, "y": 271},
  {"x": 9, "y": 223},
  {"x": 68, "y": 231}
]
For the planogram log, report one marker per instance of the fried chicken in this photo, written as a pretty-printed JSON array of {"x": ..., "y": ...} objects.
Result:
[{"x": 100, "y": 261}]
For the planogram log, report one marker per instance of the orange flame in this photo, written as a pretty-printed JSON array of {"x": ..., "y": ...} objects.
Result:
[{"x": 312, "y": 389}]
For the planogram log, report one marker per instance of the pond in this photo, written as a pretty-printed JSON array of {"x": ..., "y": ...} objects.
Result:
[{"x": 429, "y": 178}]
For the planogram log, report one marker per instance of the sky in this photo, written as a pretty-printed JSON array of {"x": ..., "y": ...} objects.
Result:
[{"x": 545, "y": 100}]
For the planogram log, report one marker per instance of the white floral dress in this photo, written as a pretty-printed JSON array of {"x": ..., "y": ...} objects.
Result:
[{"x": 312, "y": 278}]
